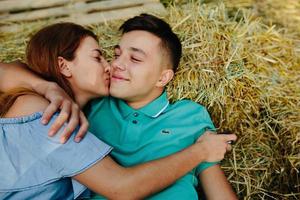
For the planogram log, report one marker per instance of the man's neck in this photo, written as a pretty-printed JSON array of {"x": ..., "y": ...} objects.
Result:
[{"x": 137, "y": 104}]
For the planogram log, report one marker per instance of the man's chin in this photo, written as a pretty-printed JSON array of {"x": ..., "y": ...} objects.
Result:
[{"x": 116, "y": 93}]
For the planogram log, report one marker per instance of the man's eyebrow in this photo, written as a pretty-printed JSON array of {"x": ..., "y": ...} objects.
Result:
[
  {"x": 99, "y": 51},
  {"x": 138, "y": 50}
]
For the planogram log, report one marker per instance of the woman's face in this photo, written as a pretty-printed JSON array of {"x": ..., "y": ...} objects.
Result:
[{"x": 89, "y": 70}]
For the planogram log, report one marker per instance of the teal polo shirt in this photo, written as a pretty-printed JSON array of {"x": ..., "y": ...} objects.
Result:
[{"x": 154, "y": 131}]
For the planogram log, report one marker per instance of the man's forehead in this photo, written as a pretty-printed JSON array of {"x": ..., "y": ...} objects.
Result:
[
  {"x": 141, "y": 37},
  {"x": 139, "y": 41},
  {"x": 133, "y": 49}
]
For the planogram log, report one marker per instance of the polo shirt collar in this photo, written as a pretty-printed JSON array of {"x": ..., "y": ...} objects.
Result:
[{"x": 153, "y": 109}]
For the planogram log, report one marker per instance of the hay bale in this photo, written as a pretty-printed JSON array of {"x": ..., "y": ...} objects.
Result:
[
  {"x": 281, "y": 13},
  {"x": 246, "y": 73}
]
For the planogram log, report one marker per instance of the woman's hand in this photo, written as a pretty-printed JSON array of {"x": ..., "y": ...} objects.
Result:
[{"x": 70, "y": 112}]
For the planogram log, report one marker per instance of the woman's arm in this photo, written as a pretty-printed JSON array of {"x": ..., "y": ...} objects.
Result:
[
  {"x": 116, "y": 182},
  {"x": 215, "y": 184},
  {"x": 16, "y": 74}
]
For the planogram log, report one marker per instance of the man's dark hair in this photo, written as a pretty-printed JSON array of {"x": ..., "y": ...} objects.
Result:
[{"x": 161, "y": 29}]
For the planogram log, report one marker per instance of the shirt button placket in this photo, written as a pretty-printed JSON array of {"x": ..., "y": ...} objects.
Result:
[{"x": 135, "y": 115}]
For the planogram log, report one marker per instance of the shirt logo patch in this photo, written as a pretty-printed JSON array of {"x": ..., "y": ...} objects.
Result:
[{"x": 165, "y": 132}]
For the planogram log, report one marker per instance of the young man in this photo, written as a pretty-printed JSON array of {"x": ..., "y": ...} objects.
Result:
[
  {"x": 145, "y": 125},
  {"x": 139, "y": 122}
]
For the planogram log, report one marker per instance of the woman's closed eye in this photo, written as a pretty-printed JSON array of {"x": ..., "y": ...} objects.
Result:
[
  {"x": 117, "y": 56},
  {"x": 98, "y": 58}
]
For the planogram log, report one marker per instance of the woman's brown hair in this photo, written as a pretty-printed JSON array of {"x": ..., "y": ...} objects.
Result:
[
  {"x": 42, "y": 52},
  {"x": 48, "y": 44}
]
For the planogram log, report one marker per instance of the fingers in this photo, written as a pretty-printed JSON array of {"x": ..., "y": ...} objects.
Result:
[
  {"x": 61, "y": 119},
  {"x": 215, "y": 145},
  {"x": 72, "y": 124},
  {"x": 230, "y": 137},
  {"x": 83, "y": 127},
  {"x": 225, "y": 137},
  {"x": 50, "y": 110}
]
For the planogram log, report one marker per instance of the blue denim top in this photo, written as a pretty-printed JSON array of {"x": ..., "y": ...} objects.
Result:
[{"x": 35, "y": 166}]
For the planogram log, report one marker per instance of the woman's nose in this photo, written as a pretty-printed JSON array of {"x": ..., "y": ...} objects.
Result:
[{"x": 107, "y": 68}]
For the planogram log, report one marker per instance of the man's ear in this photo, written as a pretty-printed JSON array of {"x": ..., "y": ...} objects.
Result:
[
  {"x": 64, "y": 67},
  {"x": 165, "y": 77}
]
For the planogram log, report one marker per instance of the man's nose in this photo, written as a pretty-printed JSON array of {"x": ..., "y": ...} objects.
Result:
[{"x": 118, "y": 63}]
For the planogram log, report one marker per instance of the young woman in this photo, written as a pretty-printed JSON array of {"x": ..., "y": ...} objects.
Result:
[{"x": 35, "y": 166}]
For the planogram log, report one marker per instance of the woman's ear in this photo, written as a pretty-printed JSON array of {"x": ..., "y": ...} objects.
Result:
[
  {"x": 64, "y": 67},
  {"x": 165, "y": 77}
]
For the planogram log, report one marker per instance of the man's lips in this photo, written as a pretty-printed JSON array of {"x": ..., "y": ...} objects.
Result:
[{"x": 120, "y": 78}]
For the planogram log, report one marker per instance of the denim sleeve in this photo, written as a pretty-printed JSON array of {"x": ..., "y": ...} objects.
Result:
[
  {"x": 30, "y": 159},
  {"x": 72, "y": 158}
]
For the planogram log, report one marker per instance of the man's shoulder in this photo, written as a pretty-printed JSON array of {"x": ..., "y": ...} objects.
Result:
[
  {"x": 190, "y": 112},
  {"x": 187, "y": 105}
]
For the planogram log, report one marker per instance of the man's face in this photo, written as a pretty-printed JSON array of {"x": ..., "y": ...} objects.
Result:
[{"x": 137, "y": 66}]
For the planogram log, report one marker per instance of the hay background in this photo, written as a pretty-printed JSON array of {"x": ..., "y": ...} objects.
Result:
[{"x": 242, "y": 61}]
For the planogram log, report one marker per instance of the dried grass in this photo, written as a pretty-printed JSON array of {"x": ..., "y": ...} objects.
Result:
[
  {"x": 245, "y": 71},
  {"x": 248, "y": 75}
]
